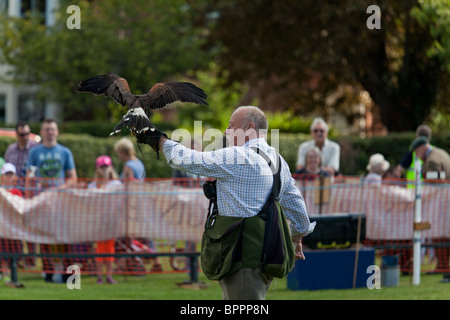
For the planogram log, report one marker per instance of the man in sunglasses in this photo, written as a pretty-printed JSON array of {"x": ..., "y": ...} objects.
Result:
[
  {"x": 17, "y": 152},
  {"x": 330, "y": 150}
]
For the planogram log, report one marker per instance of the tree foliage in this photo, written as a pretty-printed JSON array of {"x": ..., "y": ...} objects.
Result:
[
  {"x": 145, "y": 42},
  {"x": 310, "y": 54},
  {"x": 435, "y": 15},
  {"x": 297, "y": 56},
  {"x": 222, "y": 100}
]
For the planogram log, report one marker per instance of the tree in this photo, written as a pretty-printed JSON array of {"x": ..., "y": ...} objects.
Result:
[
  {"x": 435, "y": 15},
  {"x": 144, "y": 41},
  {"x": 306, "y": 52}
]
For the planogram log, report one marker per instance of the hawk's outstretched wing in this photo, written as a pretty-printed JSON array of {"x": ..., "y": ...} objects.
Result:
[
  {"x": 111, "y": 85},
  {"x": 160, "y": 95}
]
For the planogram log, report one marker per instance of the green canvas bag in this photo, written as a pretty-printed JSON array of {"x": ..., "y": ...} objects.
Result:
[{"x": 219, "y": 243}]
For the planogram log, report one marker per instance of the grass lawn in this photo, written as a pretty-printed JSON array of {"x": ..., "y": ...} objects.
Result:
[{"x": 164, "y": 287}]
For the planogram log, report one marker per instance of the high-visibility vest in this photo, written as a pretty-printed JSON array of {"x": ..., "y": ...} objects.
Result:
[{"x": 411, "y": 173}]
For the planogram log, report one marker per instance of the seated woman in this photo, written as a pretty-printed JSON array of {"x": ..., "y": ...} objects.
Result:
[
  {"x": 377, "y": 167},
  {"x": 313, "y": 166}
]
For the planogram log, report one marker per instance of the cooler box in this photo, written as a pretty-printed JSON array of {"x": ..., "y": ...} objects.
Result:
[
  {"x": 331, "y": 269},
  {"x": 339, "y": 230}
]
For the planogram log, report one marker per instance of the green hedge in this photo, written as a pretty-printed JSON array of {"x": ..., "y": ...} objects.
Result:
[
  {"x": 355, "y": 152},
  {"x": 99, "y": 129}
]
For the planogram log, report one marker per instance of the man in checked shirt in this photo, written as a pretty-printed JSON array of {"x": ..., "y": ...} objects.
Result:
[
  {"x": 244, "y": 182},
  {"x": 17, "y": 152}
]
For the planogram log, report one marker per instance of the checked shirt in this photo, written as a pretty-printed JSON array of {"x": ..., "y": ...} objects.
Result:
[{"x": 244, "y": 180}]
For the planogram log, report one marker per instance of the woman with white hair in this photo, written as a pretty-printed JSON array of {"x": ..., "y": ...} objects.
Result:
[{"x": 377, "y": 167}]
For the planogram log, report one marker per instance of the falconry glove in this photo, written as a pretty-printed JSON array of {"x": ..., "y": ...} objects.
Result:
[{"x": 151, "y": 137}]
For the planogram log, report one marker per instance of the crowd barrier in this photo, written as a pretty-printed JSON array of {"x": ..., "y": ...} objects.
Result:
[
  {"x": 166, "y": 217},
  {"x": 389, "y": 210}
]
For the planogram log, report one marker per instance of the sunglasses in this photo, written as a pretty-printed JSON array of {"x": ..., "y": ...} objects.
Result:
[
  {"x": 23, "y": 134},
  {"x": 318, "y": 130}
]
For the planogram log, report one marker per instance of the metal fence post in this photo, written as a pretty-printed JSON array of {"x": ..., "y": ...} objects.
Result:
[
  {"x": 13, "y": 266},
  {"x": 193, "y": 263}
]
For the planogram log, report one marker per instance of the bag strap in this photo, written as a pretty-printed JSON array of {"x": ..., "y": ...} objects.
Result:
[
  {"x": 276, "y": 172},
  {"x": 275, "y": 193}
]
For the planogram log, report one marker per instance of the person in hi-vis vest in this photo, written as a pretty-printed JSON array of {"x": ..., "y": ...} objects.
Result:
[{"x": 406, "y": 165}]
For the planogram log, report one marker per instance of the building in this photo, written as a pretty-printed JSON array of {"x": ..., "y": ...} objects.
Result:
[{"x": 20, "y": 102}]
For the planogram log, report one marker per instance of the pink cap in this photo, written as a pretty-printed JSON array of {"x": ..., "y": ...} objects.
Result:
[{"x": 103, "y": 161}]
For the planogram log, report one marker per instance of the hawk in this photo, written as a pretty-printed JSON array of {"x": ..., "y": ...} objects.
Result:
[{"x": 139, "y": 105}]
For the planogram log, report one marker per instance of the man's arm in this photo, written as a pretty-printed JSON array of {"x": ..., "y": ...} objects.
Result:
[
  {"x": 398, "y": 171},
  {"x": 334, "y": 160},
  {"x": 294, "y": 208},
  {"x": 301, "y": 153},
  {"x": 161, "y": 143},
  {"x": 297, "y": 241},
  {"x": 71, "y": 179},
  {"x": 404, "y": 164},
  {"x": 29, "y": 178},
  {"x": 128, "y": 173},
  {"x": 330, "y": 170}
]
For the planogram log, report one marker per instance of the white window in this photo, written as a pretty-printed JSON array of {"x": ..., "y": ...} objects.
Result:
[
  {"x": 30, "y": 108},
  {"x": 33, "y": 7}
]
